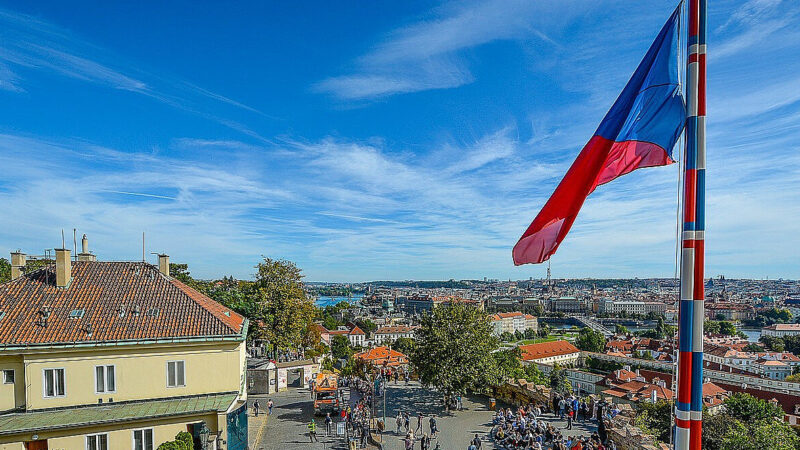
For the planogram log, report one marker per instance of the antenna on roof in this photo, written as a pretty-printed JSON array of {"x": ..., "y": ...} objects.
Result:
[
  {"x": 142, "y": 246},
  {"x": 74, "y": 245}
]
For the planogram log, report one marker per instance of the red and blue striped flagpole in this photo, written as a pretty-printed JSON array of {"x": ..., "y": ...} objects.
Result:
[{"x": 689, "y": 406}]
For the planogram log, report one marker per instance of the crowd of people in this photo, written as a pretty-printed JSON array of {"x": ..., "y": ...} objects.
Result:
[{"x": 528, "y": 428}]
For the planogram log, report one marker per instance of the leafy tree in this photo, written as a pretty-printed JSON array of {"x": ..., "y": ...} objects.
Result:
[
  {"x": 748, "y": 409},
  {"x": 793, "y": 378},
  {"x": 753, "y": 347},
  {"x": 283, "y": 309},
  {"x": 711, "y": 327},
  {"x": 655, "y": 418},
  {"x": 621, "y": 329},
  {"x": 340, "y": 347},
  {"x": 643, "y": 355},
  {"x": 763, "y": 434},
  {"x": 590, "y": 340},
  {"x": 454, "y": 350},
  {"x": 367, "y": 325},
  {"x": 773, "y": 343},
  {"x": 5, "y": 270},
  {"x": 404, "y": 345},
  {"x": 509, "y": 363},
  {"x": 507, "y": 336},
  {"x": 661, "y": 331},
  {"x": 545, "y": 330},
  {"x": 558, "y": 380}
]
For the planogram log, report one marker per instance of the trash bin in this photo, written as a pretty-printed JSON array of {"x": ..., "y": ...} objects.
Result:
[{"x": 492, "y": 403}]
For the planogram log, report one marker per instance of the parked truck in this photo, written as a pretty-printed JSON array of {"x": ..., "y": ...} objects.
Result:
[{"x": 326, "y": 394}]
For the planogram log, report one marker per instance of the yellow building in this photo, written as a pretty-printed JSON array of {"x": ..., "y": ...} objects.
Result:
[{"x": 117, "y": 355}]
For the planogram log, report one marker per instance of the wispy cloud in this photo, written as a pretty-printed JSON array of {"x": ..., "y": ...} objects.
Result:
[
  {"x": 425, "y": 55},
  {"x": 31, "y": 44}
]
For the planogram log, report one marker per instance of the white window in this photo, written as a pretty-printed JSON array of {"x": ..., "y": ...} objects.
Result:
[
  {"x": 8, "y": 376},
  {"x": 143, "y": 439},
  {"x": 54, "y": 383},
  {"x": 175, "y": 374},
  {"x": 104, "y": 379},
  {"x": 97, "y": 442}
]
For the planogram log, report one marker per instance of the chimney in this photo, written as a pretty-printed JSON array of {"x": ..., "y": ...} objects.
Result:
[
  {"x": 163, "y": 264},
  {"x": 63, "y": 268},
  {"x": 17, "y": 264},
  {"x": 84, "y": 255}
]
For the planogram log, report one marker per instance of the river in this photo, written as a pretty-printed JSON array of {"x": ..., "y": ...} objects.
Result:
[{"x": 327, "y": 301}]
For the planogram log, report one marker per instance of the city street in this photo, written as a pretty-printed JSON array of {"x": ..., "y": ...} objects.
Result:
[{"x": 287, "y": 427}]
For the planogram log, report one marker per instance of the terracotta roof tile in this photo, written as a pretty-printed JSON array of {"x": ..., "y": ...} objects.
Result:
[
  {"x": 108, "y": 293},
  {"x": 547, "y": 349}
]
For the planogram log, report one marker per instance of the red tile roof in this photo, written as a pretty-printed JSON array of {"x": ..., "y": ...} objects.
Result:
[
  {"x": 382, "y": 356},
  {"x": 109, "y": 294},
  {"x": 546, "y": 350}
]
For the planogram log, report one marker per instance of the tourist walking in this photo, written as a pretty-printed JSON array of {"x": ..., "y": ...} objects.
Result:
[
  {"x": 419, "y": 423},
  {"x": 399, "y": 421},
  {"x": 269, "y": 407},
  {"x": 406, "y": 421},
  {"x": 255, "y": 408},
  {"x": 432, "y": 425},
  {"x": 476, "y": 442}
]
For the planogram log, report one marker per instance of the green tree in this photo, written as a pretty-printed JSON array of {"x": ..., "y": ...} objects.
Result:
[
  {"x": 5, "y": 270},
  {"x": 454, "y": 350},
  {"x": 763, "y": 434},
  {"x": 340, "y": 347},
  {"x": 558, "y": 380},
  {"x": 590, "y": 341},
  {"x": 509, "y": 364},
  {"x": 753, "y": 347},
  {"x": 711, "y": 327},
  {"x": 773, "y": 343},
  {"x": 367, "y": 325},
  {"x": 507, "y": 336},
  {"x": 284, "y": 311},
  {"x": 404, "y": 345},
  {"x": 621, "y": 329},
  {"x": 655, "y": 418},
  {"x": 749, "y": 409}
]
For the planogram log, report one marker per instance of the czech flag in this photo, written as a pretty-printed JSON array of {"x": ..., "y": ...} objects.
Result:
[{"x": 640, "y": 130}]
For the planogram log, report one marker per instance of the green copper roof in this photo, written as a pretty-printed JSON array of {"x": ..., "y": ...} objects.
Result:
[{"x": 52, "y": 419}]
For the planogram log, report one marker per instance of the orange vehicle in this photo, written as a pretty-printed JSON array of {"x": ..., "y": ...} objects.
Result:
[{"x": 326, "y": 394}]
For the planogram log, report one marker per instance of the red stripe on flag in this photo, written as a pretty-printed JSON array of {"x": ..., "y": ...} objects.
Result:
[
  {"x": 693, "y": 58},
  {"x": 680, "y": 423}
]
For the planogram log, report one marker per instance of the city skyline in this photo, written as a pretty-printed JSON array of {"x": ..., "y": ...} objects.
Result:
[{"x": 335, "y": 139}]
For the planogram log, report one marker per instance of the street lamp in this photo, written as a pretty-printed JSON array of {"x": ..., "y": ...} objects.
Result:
[{"x": 204, "y": 432}]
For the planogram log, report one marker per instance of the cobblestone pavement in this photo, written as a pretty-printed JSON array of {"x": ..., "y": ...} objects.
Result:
[
  {"x": 455, "y": 429},
  {"x": 287, "y": 427}
]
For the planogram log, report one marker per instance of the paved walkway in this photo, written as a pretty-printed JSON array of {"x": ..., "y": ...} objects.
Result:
[
  {"x": 287, "y": 427},
  {"x": 455, "y": 429}
]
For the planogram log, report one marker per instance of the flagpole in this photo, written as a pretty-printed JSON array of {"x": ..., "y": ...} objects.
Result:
[{"x": 689, "y": 405}]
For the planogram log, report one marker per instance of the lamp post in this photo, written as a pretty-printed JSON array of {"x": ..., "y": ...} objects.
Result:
[{"x": 204, "y": 432}]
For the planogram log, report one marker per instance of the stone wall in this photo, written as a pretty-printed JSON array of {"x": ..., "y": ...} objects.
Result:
[
  {"x": 522, "y": 392},
  {"x": 627, "y": 436}
]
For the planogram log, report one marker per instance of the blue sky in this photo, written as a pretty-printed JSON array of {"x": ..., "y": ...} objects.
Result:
[{"x": 380, "y": 140}]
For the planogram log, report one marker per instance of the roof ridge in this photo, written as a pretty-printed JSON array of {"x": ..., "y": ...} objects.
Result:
[{"x": 229, "y": 320}]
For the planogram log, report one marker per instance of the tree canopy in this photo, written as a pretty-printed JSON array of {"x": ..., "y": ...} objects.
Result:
[
  {"x": 590, "y": 341},
  {"x": 454, "y": 350}
]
